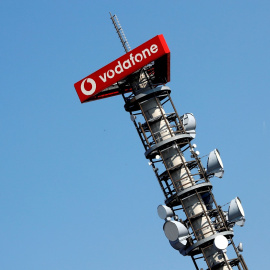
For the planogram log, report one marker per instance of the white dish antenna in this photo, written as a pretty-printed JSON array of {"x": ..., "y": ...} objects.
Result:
[
  {"x": 221, "y": 242},
  {"x": 214, "y": 164},
  {"x": 175, "y": 230},
  {"x": 189, "y": 124},
  {"x": 164, "y": 211}
]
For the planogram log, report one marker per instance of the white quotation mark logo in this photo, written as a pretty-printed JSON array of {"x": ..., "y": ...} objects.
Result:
[{"x": 88, "y": 92}]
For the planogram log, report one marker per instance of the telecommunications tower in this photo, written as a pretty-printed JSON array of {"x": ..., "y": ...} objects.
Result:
[{"x": 194, "y": 224}]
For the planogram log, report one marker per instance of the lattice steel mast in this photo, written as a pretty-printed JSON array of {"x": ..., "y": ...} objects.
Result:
[{"x": 185, "y": 184}]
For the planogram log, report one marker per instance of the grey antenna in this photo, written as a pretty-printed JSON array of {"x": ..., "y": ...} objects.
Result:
[
  {"x": 236, "y": 212},
  {"x": 143, "y": 80},
  {"x": 189, "y": 124},
  {"x": 120, "y": 32},
  {"x": 214, "y": 164}
]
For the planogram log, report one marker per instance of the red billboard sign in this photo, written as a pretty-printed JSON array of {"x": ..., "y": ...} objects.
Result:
[{"x": 120, "y": 68}]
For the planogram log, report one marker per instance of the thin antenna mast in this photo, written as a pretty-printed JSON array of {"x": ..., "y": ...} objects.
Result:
[
  {"x": 143, "y": 80},
  {"x": 120, "y": 32}
]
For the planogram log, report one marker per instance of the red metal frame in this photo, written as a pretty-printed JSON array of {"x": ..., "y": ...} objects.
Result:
[{"x": 103, "y": 82}]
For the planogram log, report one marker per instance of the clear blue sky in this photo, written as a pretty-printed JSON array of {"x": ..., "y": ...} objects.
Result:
[{"x": 76, "y": 191}]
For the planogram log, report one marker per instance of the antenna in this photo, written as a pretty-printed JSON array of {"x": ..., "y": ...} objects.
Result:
[
  {"x": 120, "y": 32},
  {"x": 205, "y": 231},
  {"x": 143, "y": 79}
]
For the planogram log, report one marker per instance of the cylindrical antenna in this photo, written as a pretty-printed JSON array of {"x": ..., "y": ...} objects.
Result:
[{"x": 120, "y": 32}]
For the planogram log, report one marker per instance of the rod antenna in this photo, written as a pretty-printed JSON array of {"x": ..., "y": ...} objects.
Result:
[{"x": 120, "y": 32}]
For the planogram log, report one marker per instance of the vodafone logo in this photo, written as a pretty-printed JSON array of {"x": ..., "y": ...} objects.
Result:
[
  {"x": 90, "y": 87},
  {"x": 93, "y": 89},
  {"x": 120, "y": 67},
  {"x": 128, "y": 63}
]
